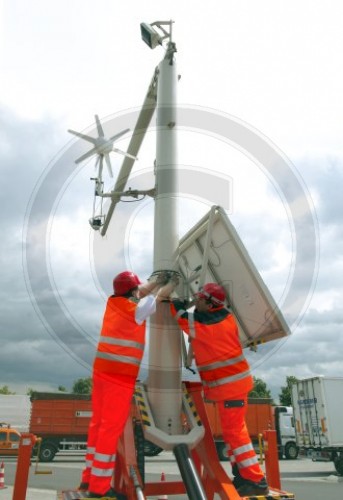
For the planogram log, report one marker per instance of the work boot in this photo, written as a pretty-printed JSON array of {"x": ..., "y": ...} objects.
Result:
[
  {"x": 109, "y": 494},
  {"x": 83, "y": 487},
  {"x": 249, "y": 488},
  {"x": 237, "y": 480}
]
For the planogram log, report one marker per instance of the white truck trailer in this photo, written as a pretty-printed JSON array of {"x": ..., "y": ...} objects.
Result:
[
  {"x": 318, "y": 414},
  {"x": 15, "y": 411}
]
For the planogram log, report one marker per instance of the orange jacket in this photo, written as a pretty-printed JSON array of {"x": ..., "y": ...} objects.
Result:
[
  {"x": 224, "y": 371},
  {"x": 122, "y": 340}
]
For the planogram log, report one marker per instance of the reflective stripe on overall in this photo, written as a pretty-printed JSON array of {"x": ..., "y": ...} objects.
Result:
[
  {"x": 236, "y": 436},
  {"x": 121, "y": 345},
  {"x": 222, "y": 366},
  {"x": 111, "y": 399}
]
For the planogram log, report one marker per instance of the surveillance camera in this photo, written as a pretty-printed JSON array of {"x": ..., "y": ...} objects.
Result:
[
  {"x": 150, "y": 36},
  {"x": 95, "y": 223}
]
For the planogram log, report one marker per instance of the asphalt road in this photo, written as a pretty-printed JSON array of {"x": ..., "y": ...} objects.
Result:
[{"x": 306, "y": 479}]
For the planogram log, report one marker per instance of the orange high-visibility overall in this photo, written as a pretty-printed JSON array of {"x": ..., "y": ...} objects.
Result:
[
  {"x": 226, "y": 378},
  {"x": 115, "y": 369}
]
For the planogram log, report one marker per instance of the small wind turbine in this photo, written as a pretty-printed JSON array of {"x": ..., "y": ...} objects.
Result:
[{"x": 101, "y": 147}]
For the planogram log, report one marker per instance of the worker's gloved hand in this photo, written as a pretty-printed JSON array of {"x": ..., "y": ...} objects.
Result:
[
  {"x": 162, "y": 278},
  {"x": 174, "y": 279}
]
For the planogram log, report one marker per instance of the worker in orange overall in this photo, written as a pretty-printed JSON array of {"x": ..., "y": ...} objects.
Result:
[
  {"x": 115, "y": 369},
  {"x": 226, "y": 379}
]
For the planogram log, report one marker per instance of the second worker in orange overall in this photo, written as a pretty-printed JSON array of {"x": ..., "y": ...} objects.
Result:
[{"x": 226, "y": 379}]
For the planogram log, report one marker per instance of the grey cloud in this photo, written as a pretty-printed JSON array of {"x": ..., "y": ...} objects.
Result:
[
  {"x": 26, "y": 148},
  {"x": 28, "y": 352}
]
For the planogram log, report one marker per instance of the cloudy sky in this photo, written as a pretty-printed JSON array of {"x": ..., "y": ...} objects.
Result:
[{"x": 273, "y": 67}]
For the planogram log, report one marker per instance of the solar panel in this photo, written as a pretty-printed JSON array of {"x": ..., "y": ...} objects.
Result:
[{"x": 212, "y": 251}]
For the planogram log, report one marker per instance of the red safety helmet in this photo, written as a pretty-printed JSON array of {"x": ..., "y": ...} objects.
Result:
[
  {"x": 213, "y": 292},
  {"x": 124, "y": 282}
]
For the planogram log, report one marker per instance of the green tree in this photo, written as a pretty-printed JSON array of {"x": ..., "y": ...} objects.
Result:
[
  {"x": 5, "y": 390},
  {"x": 82, "y": 386},
  {"x": 60, "y": 388},
  {"x": 260, "y": 389},
  {"x": 285, "y": 394}
]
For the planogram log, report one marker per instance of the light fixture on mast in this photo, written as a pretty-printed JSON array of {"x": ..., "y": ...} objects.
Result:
[{"x": 152, "y": 37}]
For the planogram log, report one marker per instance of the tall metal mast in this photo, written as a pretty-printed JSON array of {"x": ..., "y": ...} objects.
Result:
[{"x": 164, "y": 380}]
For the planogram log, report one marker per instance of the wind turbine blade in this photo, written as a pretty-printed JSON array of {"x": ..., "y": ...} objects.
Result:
[
  {"x": 83, "y": 136},
  {"x": 97, "y": 162},
  {"x": 115, "y": 137},
  {"x": 99, "y": 127},
  {"x": 108, "y": 163},
  {"x": 86, "y": 155},
  {"x": 125, "y": 154}
]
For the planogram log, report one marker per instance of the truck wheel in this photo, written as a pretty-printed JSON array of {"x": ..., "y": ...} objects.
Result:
[
  {"x": 222, "y": 451},
  {"x": 291, "y": 451},
  {"x": 339, "y": 464},
  {"x": 47, "y": 452}
]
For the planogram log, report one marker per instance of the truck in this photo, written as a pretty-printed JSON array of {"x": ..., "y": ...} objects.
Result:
[
  {"x": 318, "y": 413},
  {"x": 261, "y": 415},
  {"x": 61, "y": 420}
]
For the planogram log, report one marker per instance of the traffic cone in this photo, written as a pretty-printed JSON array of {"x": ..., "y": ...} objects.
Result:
[
  {"x": 2, "y": 476},
  {"x": 163, "y": 497}
]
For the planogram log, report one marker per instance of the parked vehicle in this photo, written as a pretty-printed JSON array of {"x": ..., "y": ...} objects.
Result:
[
  {"x": 9, "y": 440},
  {"x": 61, "y": 420},
  {"x": 285, "y": 432},
  {"x": 318, "y": 412}
]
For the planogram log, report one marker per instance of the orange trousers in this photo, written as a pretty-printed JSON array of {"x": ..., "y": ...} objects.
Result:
[
  {"x": 111, "y": 400},
  {"x": 237, "y": 439}
]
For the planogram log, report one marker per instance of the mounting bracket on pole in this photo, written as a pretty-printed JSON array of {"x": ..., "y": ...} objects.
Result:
[
  {"x": 161, "y": 438},
  {"x": 134, "y": 193}
]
